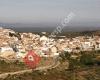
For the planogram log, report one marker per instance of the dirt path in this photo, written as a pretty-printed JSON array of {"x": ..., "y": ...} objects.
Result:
[{"x": 54, "y": 65}]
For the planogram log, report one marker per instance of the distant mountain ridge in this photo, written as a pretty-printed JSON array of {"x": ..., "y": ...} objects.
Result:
[{"x": 47, "y": 28}]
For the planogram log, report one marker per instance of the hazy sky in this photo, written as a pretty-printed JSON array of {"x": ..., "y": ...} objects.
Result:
[{"x": 50, "y": 11}]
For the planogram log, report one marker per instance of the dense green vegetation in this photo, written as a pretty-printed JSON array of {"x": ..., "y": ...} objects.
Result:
[{"x": 83, "y": 58}]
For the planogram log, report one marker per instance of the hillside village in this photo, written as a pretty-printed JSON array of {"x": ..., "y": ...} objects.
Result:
[{"x": 14, "y": 45}]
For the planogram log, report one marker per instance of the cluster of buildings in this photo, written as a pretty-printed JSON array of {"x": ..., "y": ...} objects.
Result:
[
  {"x": 16, "y": 45},
  {"x": 80, "y": 43}
]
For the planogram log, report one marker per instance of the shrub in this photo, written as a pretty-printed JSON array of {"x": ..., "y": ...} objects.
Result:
[{"x": 87, "y": 59}]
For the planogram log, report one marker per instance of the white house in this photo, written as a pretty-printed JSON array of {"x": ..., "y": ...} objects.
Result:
[
  {"x": 3, "y": 49},
  {"x": 86, "y": 45}
]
